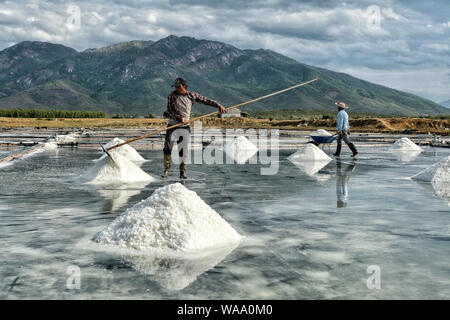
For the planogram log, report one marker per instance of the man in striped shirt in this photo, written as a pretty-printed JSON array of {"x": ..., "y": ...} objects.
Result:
[
  {"x": 179, "y": 105},
  {"x": 343, "y": 128}
]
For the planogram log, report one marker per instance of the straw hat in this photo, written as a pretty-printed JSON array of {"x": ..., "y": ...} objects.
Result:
[{"x": 341, "y": 104}]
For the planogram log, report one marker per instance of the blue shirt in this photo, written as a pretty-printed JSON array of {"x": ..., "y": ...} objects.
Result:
[{"x": 342, "y": 121}]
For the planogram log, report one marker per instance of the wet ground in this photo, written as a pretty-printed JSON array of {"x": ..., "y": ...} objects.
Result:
[{"x": 307, "y": 237}]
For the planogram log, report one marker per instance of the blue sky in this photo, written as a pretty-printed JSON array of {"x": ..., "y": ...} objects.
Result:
[{"x": 401, "y": 44}]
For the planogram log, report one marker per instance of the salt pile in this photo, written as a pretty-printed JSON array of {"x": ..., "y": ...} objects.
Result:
[
  {"x": 309, "y": 152},
  {"x": 437, "y": 173},
  {"x": 310, "y": 159},
  {"x": 240, "y": 149},
  {"x": 404, "y": 144},
  {"x": 50, "y": 144},
  {"x": 66, "y": 138},
  {"x": 439, "y": 177},
  {"x": 173, "y": 218},
  {"x": 126, "y": 150},
  {"x": 113, "y": 171},
  {"x": 321, "y": 133}
]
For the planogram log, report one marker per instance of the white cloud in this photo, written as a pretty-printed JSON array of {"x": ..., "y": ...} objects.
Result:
[
  {"x": 388, "y": 13},
  {"x": 323, "y": 33},
  {"x": 426, "y": 82}
]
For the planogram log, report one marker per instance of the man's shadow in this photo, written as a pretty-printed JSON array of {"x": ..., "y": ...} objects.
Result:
[{"x": 342, "y": 179}]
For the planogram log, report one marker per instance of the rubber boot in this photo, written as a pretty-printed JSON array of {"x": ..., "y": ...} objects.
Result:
[
  {"x": 338, "y": 150},
  {"x": 167, "y": 163},
  {"x": 183, "y": 171},
  {"x": 353, "y": 148}
]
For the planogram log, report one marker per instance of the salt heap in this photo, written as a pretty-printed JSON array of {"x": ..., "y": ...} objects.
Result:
[
  {"x": 50, "y": 144},
  {"x": 404, "y": 144},
  {"x": 173, "y": 218},
  {"x": 240, "y": 149},
  {"x": 113, "y": 171},
  {"x": 126, "y": 150},
  {"x": 439, "y": 177},
  {"x": 321, "y": 133},
  {"x": 437, "y": 173},
  {"x": 309, "y": 152},
  {"x": 66, "y": 138},
  {"x": 310, "y": 159}
]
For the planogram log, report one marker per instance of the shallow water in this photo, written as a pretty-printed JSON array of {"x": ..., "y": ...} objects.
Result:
[{"x": 299, "y": 244}]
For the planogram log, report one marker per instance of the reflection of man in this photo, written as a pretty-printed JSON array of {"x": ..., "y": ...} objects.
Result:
[
  {"x": 342, "y": 183},
  {"x": 179, "y": 107}
]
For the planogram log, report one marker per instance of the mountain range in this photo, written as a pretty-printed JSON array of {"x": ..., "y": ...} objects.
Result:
[
  {"x": 135, "y": 78},
  {"x": 445, "y": 103}
]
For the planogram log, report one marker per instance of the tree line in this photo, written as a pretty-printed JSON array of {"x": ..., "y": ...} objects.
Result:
[{"x": 45, "y": 113}]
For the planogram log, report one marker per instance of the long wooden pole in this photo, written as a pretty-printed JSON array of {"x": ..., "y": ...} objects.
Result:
[{"x": 211, "y": 114}]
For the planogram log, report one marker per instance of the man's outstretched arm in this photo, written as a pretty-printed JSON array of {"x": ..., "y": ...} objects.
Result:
[{"x": 209, "y": 102}]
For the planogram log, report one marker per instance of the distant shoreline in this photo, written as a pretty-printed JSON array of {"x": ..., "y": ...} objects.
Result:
[{"x": 403, "y": 125}]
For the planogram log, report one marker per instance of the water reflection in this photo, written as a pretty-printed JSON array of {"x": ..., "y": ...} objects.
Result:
[
  {"x": 241, "y": 156},
  {"x": 310, "y": 167},
  {"x": 407, "y": 156},
  {"x": 176, "y": 272},
  {"x": 441, "y": 190},
  {"x": 342, "y": 178},
  {"x": 117, "y": 196}
]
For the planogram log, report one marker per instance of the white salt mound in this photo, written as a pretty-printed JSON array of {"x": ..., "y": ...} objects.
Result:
[
  {"x": 50, "y": 144},
  {"x": 309, "y": 152},
  {"x": 172, "y": 218},
  {"x": 438, "y": 173},
  {"x": 241, "y": 143},
  {"x": 126, "y": 150},
  {"x": 321, "y": 133},
  {"x": 439, "y": 177},
  {"x": 404, "y": 144},
  {"x": 121, "y": 170},
  {"x": 240, "y": 149},
  {"x": 66, "y": 138}
]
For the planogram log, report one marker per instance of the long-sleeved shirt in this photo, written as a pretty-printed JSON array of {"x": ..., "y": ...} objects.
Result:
[
  {"x": 179, "y": 107},
  {"x": 342, "y": 121}
]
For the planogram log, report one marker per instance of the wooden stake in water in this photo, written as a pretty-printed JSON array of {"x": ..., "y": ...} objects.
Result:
[{"x": 209, "y": 115}]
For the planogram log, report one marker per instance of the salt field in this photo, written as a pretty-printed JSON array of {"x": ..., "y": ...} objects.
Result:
[{"x": 303, "y": 233}]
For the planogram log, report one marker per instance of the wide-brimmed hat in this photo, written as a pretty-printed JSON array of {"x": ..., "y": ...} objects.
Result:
[
  {"x": 341, "y": 104},
  {"x": 179, "y": 82}
]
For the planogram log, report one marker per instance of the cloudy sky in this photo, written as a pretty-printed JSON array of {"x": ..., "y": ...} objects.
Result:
[{"x": 401, "y": 44}]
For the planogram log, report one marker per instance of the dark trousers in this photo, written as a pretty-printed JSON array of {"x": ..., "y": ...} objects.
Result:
[
  {"x": 343, "y": 136},
  {"x": 180, "y": 137}
]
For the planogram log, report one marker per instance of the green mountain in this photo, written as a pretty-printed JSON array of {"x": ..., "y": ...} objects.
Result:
[{"x": 135, "y": 77}]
